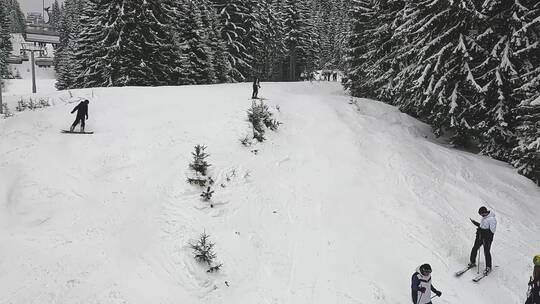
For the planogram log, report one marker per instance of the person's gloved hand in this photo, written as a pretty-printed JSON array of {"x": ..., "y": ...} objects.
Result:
[
  {"x": 475, "y": 222},
  {"x": 422, "y": 289},
  {"x": 438, "y": 293}
]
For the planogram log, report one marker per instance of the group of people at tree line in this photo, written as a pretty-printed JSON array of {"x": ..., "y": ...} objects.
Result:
[{"x": 421, "y": 286}]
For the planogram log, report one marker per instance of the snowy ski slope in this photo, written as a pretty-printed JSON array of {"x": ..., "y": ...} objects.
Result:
[{"x": 340, "y": 205}]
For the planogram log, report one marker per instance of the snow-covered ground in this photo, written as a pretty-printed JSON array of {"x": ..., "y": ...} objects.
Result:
[{"x": 339, "y": 206}]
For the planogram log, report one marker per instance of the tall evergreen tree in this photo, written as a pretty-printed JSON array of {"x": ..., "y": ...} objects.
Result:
[
  {"x": 211, "y": 24},
  {"x": 16, "y": 16},
  {"x": 268, "y": 65},
  {"x": 69, "y": 27},
  {"x": 5, "y": 39},
  {"x": 125, "y": 43},
  {"x": 363, "y": 14},
  {"x": 194, "y": 43},
  {"x": 300, "y": 39},
  {"x": 54, "y": 18},
  {"x": 440, "y": 83},
  {"x": 240, "y": 29},
  {"x": 526, "y": 155}
]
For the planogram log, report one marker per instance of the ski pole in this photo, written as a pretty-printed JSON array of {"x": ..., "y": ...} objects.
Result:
[{"x": 478, "y": 266}]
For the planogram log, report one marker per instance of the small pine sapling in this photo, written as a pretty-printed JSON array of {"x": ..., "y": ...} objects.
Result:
[
  {"x": 6, "y": 111},
  {"x": 31, "y": 104},
  {"x": 246, "y": 141},
  {"x": 273, "y": 124},
  {"x": 259, "y": 116},
  {"x": 207, "y": 195},
  {"x": 21, "y": 105},
  {"x": 215, "y": 268},
  {"x": 199, "y": 163},
  {"x": 197, "y": 180},
  {"x": 203, "y": 249}
]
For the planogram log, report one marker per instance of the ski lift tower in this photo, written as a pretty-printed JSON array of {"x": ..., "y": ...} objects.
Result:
[{"x": 32, "y": 49}]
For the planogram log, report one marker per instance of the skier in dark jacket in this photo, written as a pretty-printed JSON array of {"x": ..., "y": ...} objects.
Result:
[
  {"x": 82, "y": 114},
  {"x": 256, "y": 86},
  {"x": 534, "y": 283},
  {"x": 484, "y": 237},
  {"x": 421, "y": 286}
]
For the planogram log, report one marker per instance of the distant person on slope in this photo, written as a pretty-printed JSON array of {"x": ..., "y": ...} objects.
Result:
[
  {"x": 82, "y": 114},
  {"x": 484, "y": 237},
  {"x": 534, "y": 283},
  {"x": 256, "y": 86},
  {"x": 421, "y": 286}
]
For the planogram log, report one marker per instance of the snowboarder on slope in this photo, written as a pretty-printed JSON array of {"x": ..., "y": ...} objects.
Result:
[
  {"x": 256, "y": 86},
  {"x": 421, "y": 286},
  {"x": 534, "y": 283},
  {"x": 484, "y": 237},
  {"x": 82, "y": 114}
]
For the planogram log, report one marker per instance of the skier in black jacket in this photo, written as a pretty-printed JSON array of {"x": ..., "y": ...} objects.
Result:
[
  {"x": 256, "y": 86},
  {"x": 82, "y": 114}
]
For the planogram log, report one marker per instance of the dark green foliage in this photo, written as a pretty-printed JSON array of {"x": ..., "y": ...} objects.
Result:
[
  {"x": 194, "y": 44},
  {"x": 526, "y": 154},
  {"x": 199, "y": 163},
  {"x": 260, "y": 117},
  {"x": 55, "y": 14},
  {"x": 69, "y": 27},
  {"x": 17, "y": 22},
  {"x": 5, "y": 39},
  {"x": 207, "y": 194},
  {"x": 203, "y": 249},
  {"x": 125, "y": 43},
  {"x": 464, "y": 67}
]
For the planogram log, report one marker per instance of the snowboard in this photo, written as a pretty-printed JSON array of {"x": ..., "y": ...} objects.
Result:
[{"x": 75, "y": 132}]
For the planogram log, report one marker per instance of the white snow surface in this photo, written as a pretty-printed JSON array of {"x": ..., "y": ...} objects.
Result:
[{"x": 340, "y": 205}]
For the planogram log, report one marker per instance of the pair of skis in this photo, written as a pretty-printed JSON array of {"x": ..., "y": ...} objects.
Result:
[{"x": 475, "y": 279}]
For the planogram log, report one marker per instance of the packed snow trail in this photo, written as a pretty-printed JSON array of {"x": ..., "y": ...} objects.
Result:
[{"x": 340, "y": 205}]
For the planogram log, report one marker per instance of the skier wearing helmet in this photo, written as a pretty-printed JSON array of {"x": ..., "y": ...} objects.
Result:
[
  {"x": 421, "y": 286},
  {"x": 484, "y": 237}
]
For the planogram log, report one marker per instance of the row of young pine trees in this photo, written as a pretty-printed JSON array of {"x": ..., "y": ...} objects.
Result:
[
  {"x": 469, "y": 68},
  {"x": 175, "y": 42}
]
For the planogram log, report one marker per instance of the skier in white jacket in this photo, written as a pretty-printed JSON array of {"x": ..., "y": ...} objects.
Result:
[{"x": 484, "y": 237}]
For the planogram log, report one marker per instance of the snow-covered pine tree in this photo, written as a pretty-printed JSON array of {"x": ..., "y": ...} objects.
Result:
[
  {"x": 194, "y": 43},
  {"x": 54, "y": 18},
  {"x": 124, "y": 43},
  {"x": 439, "y": 82},
  {"x": 16, "y": 16},
  {"x": 301, "y": 39},
  {"x": 360, "y": 56},
  {"x": 203, "y": 249},
  {"x": 499, "y": 75},
  {"x": 330, "y": 19},
  {"x": 526, "y": 155},
  {"x": 240, "y": 29},
  {"x": 5, "y": 39},
  {"x": 211, "y": 24},
  {"x": 269, "y": 55},
  {"x": 69, "y": 27}
]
